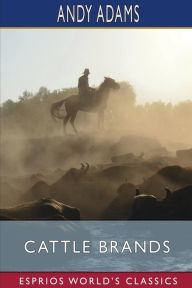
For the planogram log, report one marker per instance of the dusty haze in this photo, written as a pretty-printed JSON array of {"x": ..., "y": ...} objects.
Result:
[{"x": 35, "y": 149}]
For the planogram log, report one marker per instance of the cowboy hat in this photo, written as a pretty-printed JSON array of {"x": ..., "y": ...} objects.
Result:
[{"x": 86, "y": 71}]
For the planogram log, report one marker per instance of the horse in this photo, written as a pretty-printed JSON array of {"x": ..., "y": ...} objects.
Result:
[{"x": 97, "y": 103}]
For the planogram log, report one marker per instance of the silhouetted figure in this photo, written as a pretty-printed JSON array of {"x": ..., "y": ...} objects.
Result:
[
  {"x": 83, "y": 85},
  {"x": 97, "y": 102}
]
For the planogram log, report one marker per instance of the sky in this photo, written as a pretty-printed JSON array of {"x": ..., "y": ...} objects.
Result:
[{"x": 157, "y": 62}]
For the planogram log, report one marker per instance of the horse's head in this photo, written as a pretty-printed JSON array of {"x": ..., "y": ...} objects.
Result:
[{"x": 111, "y": 83}]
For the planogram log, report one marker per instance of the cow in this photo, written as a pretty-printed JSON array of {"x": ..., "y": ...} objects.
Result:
[
  {"x": 74, "y": 175},
  {"x": 174, "y": 177},
  {"x": 43, "y": 209},
  {"x": 43, "y": 190},
  {"x": 179, "y": 203},
  {"x": 176, "y": 205},
  {"x": 145, "y": 207},
  {"x": 119, "y": 207},
  {"x": 39, "y": 190}
]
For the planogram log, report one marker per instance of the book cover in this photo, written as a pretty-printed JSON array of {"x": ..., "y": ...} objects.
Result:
[{"x": 96, "y": 144}]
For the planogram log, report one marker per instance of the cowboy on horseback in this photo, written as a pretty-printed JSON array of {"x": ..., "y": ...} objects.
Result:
[
  {"x": 73, "y": 105},
  {"x": 84, "y": 90}
]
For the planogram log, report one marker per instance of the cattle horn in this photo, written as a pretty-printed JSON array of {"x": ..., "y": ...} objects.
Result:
[
  {"x": 137, "y": 192},
  {"x": 168, "y": 192},
  {"x": 87, "y": 167},
  {"x": 82, "y": 166}
]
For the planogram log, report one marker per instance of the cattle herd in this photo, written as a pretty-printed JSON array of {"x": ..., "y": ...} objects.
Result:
[{"x": 105, "y": 192}]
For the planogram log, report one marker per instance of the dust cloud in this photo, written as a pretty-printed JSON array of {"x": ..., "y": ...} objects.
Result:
[{"x": 135, "y": 143}]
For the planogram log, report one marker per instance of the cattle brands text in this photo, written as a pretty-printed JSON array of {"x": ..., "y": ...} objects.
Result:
[{"x": 101, "y": 247}]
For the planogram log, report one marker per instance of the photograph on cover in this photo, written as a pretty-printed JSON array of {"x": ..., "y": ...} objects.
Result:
[{"x": 96, "y": 124}]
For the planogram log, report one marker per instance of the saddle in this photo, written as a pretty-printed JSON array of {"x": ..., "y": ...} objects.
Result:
[{"x": 88, "y": 99}]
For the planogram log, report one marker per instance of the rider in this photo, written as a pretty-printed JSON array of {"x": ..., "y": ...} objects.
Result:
[{"x": 83, "y": 85}]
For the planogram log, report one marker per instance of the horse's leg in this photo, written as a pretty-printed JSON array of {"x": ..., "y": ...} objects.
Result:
[
  {"x": 65, "y": 120},
  {"x": 72, "y": 121}
]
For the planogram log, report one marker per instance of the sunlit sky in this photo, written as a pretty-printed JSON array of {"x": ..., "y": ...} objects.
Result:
[{"x": 157, "y": 62}]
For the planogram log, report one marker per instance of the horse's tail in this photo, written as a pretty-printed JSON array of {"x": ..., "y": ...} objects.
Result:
[{"x": 55, "y": 109}]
